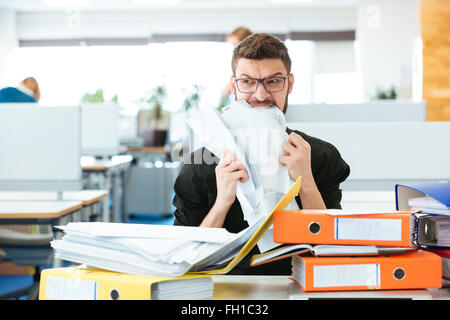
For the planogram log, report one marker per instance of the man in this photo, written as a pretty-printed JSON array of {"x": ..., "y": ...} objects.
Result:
[
  {"x": 26, "y": 91},
  {"x": 205, "y": 194}
]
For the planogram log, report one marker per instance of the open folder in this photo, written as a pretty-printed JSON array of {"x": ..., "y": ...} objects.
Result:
[{"x": 163, "y": 257}]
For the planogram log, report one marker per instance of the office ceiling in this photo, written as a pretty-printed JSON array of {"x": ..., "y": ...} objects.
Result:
[{"x": 139, "y": 5}]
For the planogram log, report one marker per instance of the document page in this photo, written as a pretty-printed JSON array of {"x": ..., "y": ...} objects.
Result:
[{"x": 255, "y": 135}]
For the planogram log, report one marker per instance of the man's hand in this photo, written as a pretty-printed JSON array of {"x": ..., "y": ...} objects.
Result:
[
  {"x": 297, "y": 159},
  {"x": 228, "y": 172}
]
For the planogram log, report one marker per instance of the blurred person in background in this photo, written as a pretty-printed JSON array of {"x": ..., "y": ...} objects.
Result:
[{"x": 26, "y": 91}]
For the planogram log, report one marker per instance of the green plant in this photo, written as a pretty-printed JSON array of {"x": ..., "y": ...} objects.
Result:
[
  {"x": 98, "y": 97},
  {"x": 155, "y": 103},
  {"x": 390, "y": 94},
  {"x": 193, "y": 99}
]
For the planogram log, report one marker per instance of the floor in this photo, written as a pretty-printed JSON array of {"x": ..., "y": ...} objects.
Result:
[{"x": 15, "y": 282}]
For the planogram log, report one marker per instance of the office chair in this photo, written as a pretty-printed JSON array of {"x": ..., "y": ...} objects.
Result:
[{"x": 27, "y": 249}]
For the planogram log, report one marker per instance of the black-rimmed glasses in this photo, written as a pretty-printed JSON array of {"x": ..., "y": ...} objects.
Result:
[{"x": 250, "y": 85}]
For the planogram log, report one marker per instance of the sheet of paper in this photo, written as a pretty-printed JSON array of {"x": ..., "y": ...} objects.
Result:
[
  {"x": 132, "y": 230},
  {"x": 255, "y": 135},
  {"x": 427, "y": 202}
]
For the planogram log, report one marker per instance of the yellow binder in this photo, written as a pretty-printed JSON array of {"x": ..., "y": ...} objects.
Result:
[
  {"x": 77, "y": 283},
  {"x": 283, "y": 203}
]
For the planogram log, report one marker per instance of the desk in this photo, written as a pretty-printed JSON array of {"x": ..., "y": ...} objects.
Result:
[
  {"x": 368, "y": 200},
  {"x": 36, "y": 212},
  {"x": 281, "y": 288},
  {"x": 90, "y": 199},
  {"x": 40, "y": 212},
  {"x": 110, "y": 174},
  {"x": 146, "y": 150}
]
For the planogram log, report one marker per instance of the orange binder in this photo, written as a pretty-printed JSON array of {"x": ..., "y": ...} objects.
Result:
[
  {"x": 396, "y": 229},
  {"x": 413, "y": 270}
]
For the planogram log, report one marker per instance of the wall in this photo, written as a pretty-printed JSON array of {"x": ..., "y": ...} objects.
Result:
[
  {"x": 8, "y": 41},
  {"x": 387, "y": 35},
  {"x": 57, "y": 25},
  {"x": 435, "y": 15}
]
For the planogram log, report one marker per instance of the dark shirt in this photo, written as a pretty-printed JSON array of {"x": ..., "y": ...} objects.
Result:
[
  {"x": 10, "y": 94},
  {"x": 196, "y": 192}
]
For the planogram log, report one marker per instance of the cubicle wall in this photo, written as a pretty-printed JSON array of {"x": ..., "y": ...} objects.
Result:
[
  {"x": 41, "y": 147},
  {"x": 100, "y": 129},
  {"x": 360, "y": 112},
  {"x": 381, "y": 154}
]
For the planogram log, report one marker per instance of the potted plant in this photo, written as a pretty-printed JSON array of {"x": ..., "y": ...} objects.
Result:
[
  {"x": 193, "y": 99},
  {"x": 98, "y": 97},
  {"x": 153, "y": 121},
  {"x": 389, "y": 94}
]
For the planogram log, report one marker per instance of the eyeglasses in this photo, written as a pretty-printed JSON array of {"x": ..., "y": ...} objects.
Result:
[{"x": 250, "y": 85}]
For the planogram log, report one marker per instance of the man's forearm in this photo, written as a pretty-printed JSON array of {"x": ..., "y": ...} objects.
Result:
[
  {"x": 310, "y": 196},
  {"x": 216, "y": 216}
]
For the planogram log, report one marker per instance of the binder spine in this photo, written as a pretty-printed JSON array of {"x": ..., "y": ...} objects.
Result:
[{"x": 413, "y": 231}]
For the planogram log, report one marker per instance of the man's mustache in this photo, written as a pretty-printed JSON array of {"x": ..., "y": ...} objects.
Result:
[{"x": 258, "y": 103}]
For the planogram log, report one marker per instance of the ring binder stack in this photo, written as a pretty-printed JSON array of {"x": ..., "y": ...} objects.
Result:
[{"x": 339, "y": 250}]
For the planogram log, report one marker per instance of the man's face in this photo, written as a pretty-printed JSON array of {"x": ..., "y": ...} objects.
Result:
[{"x": 261, "y": 69}]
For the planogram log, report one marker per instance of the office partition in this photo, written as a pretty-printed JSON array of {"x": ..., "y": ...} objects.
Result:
[
  {"x": 40, "y": 147},
  {"x": 383, "y": 110},
  {"x": 381, "y": 154},
  {"x": 99, "y": 129}
]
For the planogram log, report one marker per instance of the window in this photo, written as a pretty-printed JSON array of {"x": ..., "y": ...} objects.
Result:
[{"x": 66, "y": 73}]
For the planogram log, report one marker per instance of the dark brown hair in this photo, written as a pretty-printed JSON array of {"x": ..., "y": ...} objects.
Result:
[{"x": 260, "y": 46}]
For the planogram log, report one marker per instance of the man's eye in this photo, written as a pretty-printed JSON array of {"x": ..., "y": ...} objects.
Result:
[
  {"x": 273, "y": 81},
  {"x": 248, "y": 81}
]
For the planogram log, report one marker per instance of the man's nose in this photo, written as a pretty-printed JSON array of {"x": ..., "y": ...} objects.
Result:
[{"x": 261, "y": 93}]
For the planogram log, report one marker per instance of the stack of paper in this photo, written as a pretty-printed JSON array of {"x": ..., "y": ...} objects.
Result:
[
  {"x": 149, "y": 249},
  {"x": 429, "y": 205},
  {"x": 162, "y": 250},
  {"x": 193, "y": 289}
]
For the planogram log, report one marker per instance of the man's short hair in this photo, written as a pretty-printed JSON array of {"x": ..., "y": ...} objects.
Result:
[{"x": 260, "y": 46}]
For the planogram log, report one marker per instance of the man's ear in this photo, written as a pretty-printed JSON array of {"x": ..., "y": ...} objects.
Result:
[
  {"x": 291, "y": 82},
  {"x": 233, "y": 85}
]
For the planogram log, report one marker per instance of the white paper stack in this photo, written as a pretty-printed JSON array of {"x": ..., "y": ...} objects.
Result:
[
  {"x": 192, "y": 289},
  {"x": 428, "y": 205},
  {"x": 149, "y": 249}
]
